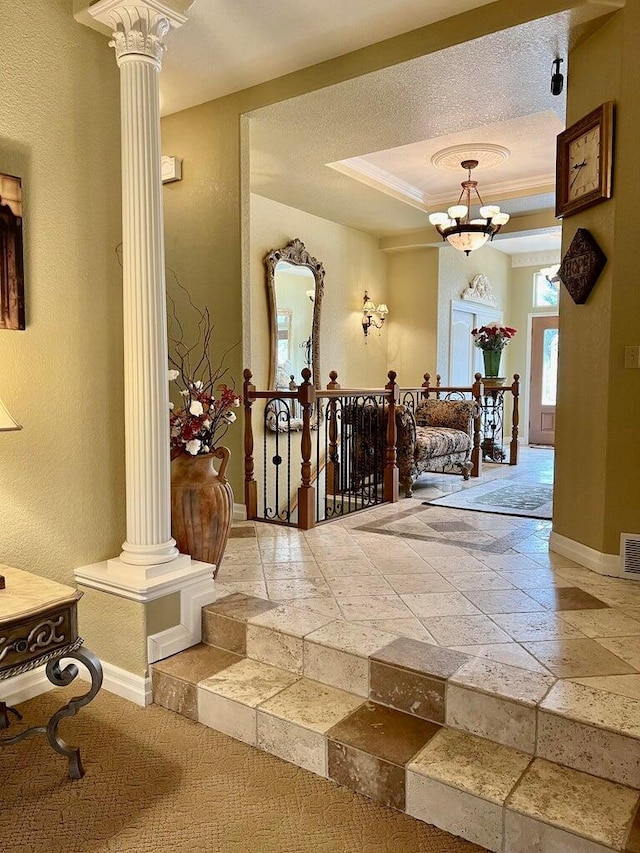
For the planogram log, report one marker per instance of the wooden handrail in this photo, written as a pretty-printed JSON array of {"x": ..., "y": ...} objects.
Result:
[{"x": 270, "y": 395}]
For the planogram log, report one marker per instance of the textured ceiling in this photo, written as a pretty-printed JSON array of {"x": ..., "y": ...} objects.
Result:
[
  {"x": 497, "y": 80},
  {"x": 548, "y": 240},
  {"x": 227, "y": 45}
]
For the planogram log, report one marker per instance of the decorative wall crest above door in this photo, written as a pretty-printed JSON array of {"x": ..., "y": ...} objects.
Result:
[{"x": 480, "y": 290}]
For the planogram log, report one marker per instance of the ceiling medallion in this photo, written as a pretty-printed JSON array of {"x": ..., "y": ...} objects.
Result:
[
  {"x": 456, "y": 226},
  {"x": 488, "y": 156}
]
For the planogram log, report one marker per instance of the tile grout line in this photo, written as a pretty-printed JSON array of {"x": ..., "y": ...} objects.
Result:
[
  {"x": 505, "y": 807},
  {"x": 634, "y": 816}
]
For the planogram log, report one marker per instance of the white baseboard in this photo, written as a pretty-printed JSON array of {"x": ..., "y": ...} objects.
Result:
[
  {"x": 597, "y": 561},
  {"x": 18, "y": 689},
  {"x": 239, "y": 512},
  {"x": 134, "y": 688},
  {"x": 189, "y": 632}
]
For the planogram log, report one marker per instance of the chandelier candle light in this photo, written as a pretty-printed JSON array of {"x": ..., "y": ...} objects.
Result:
[{"x": 457, "y": 228}]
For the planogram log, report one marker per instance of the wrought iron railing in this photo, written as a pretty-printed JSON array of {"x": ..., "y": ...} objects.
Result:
[
  {"x": 340, "y": 455},
  {"x": 346, "y": 461},
  {"x": 492, "y": 397}
]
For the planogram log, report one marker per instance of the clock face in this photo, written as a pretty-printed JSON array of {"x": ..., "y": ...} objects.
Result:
[{"x": 584, "y": 164}]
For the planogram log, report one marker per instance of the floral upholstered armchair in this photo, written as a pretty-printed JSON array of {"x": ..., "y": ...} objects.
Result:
[{"x": 439, "y": 435}]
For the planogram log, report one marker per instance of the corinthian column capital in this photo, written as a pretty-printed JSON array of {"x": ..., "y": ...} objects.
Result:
[{"x": 138, "y": 26}]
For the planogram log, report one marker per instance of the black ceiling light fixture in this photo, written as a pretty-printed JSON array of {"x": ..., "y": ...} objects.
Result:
[{"x": 557, "y": 79}]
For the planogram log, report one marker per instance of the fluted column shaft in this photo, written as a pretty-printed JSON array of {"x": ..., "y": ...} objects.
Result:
[{"x": 138, "y": 33}]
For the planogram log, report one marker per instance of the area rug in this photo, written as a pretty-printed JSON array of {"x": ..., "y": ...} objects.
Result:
[{"x": 530, "y": 500}]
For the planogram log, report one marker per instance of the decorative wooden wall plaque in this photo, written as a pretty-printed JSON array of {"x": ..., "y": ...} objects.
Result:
[{"x": 582, "y": 265}]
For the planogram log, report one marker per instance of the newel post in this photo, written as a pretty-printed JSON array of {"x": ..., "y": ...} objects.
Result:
[
  {"x": 426, "y": 385},
  {"x": 477, "y": 392},
  {"x": 250, "y": 485},
  {"x": 306, "y": 492},
  {"x": 515, "y": 420},
  {"x": 391, "y": 473},
  {"x": 333, "y": 462}
]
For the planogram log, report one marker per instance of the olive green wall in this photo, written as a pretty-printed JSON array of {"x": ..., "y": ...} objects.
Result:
[
  {"x": 62, "y": 485},
  {"x": 598, "y": 451},
  {"x": 413, "y": 303},
  {"x": 62, "y": 482}
]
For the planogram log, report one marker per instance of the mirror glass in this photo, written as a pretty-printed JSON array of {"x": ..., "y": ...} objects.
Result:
[
  {"x": 295, "y": 293},
  {"x": 295, "y": 284}
]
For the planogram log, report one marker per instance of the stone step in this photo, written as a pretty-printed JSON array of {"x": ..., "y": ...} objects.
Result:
[
  {"x": 563, "y": 721},
  {"x": 494, "y": 795}
]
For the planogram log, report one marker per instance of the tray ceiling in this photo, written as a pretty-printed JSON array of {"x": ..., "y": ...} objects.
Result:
[{"x": 493, "y": 90}]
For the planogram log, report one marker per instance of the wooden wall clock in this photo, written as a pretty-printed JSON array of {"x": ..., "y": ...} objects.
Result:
[{"x": 584, "y": 162}]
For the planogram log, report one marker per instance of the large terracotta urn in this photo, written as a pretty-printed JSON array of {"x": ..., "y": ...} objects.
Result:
[{"x": 201, "y": 505}]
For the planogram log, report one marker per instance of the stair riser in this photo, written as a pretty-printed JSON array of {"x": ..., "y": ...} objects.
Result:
[
  {"x": 492, "y": 825},
  {"x": 520, "y": 725},
  {"x": 598, "y": 752}
]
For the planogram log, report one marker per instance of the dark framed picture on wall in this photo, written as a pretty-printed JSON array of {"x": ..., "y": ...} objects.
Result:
[{"x": 11, "y": 257}]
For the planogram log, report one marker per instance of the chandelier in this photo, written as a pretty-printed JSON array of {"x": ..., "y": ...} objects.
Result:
[{"x": 457, "y": 228}]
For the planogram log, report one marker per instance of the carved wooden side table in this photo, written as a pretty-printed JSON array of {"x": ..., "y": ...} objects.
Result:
[{"x": 39, "y": 627}]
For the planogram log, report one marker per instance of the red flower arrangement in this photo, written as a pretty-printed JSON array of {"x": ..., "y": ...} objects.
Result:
[
  {"x": 202, "y": 421},
  {"x": 492, "y": 338}
]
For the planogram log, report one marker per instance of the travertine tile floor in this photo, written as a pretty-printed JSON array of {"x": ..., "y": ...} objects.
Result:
[{"x": 478, "y": 583}]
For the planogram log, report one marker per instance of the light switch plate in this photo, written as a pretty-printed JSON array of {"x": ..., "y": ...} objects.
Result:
[{"x": 632, "y": 357}]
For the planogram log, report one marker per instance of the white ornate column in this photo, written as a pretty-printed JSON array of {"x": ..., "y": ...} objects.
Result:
[
  {"x": 139, "y": 28},
  {"x": 149, "y": 567}
]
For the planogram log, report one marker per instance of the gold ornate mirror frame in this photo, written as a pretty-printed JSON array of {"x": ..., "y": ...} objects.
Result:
[{"x": 296, "y": 254}]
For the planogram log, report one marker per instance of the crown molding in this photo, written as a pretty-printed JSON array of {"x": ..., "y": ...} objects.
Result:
[
  {"x": 373, "y": 176},
  {"x": 360, "y": 169},
  {"x": 535, "y": 259}
]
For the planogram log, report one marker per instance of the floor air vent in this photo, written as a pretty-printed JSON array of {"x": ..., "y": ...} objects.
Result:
[{"x": 630, "y": 555}]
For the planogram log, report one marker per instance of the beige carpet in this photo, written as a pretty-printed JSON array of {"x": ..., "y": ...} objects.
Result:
[{"x": 157, "y": 782}]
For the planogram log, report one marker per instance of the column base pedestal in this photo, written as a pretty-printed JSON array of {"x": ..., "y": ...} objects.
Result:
[
  {"x": 118, "y": 568},
  {"x": 143, "y": 583}
]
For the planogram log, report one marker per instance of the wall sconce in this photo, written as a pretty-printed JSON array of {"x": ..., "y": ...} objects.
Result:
[{"x": 368, "y": 310}]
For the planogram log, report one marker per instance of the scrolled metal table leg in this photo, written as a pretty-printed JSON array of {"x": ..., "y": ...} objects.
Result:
[
  {"x": 5, "y": 710},
  {"x": 62, "y": 677}
]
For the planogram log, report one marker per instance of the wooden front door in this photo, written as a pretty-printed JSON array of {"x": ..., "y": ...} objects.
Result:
[{"x": 544, "y": 374}]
